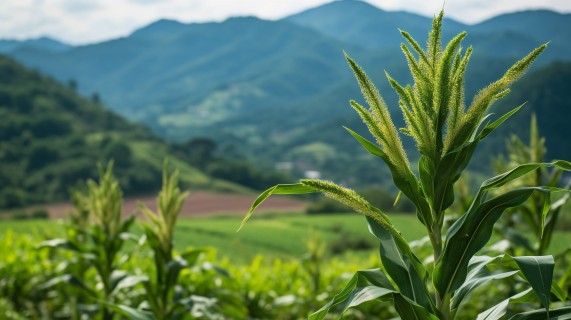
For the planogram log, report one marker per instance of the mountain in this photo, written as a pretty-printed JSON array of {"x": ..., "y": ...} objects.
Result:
[
  {"x": 51, "y": 140},
  {"x": 547, "y": 25},
  {"x": 181, "y": 77},
  {"x": 278, "y": 90},
  {"x": 361, "y": 23},
  {"x": 42, "y": 44},
  {"x": 546, "y": 93}
]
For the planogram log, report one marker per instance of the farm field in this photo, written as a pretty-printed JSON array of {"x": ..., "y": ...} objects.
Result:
[{"x": 273, "y": 235}]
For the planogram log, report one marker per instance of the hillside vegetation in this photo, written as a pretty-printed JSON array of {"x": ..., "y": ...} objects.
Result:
[
  {"x": 245, "y": 78},
  {"x": 51, "y": 140}
]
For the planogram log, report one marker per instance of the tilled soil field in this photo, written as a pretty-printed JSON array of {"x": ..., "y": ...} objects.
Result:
[{"x": 200, "y": 204}]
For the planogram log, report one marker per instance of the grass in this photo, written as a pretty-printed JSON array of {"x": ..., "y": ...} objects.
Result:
[{"x": 274, "y": 236}]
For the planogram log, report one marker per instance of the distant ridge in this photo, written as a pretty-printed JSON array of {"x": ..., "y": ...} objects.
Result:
[
  {"x": 41, "y": 43},
  {"x": 257, "y": 83}
]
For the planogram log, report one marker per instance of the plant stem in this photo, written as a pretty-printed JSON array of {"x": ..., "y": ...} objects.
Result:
[
  {"x": 435, "y": 236},
  {"x": 443, "y": 305}
]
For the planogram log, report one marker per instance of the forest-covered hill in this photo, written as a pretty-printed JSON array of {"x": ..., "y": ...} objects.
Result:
[{"x": 51, "y": 140}]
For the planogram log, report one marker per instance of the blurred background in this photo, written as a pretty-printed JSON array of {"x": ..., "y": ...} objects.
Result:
[{"x": 241, "y": 95}]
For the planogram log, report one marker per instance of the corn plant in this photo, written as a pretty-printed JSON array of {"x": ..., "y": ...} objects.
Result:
[
  {"x": 312, "y": 261},
  {"x": 530, "y": 214},
  {"x": 159, "y": 231},
  {"x": 97, "y": 245},
  {"x": 446, "y": 133}
]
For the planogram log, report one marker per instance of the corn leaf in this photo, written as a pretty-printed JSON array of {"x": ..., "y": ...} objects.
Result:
[
  {"x": 364, "y": 278},
  {"x": 130, "y": 313},
  {"x": 474, "y": 282},
  {"x": 369, "y": 285},
  {"x": 469, "y": 234},
  {"x": 492, "y": 126},
  {"x": 277, "y": 189},
  {"x": 563, "y": 313},
  {"x": 499, "y": 310},
  {"x": 67, "y": 279},
  {"x": 538, "y": 272},
  {"x": 62, "y": 244},
  {"x": 402, "y": 266}
]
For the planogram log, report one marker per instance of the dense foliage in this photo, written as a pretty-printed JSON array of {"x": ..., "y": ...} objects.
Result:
[
  {"x": 100, "y": 269},
  {"x": 52, "y": 139}
]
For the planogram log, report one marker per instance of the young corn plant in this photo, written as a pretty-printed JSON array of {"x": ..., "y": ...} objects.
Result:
[
  {"x": 530, "y": 215},
  {"x": 97, "y": 245},
  {"x": 159, "y": 230},
  {"x": 167, "y": 294},
  {"x": 446, "y": 133}
]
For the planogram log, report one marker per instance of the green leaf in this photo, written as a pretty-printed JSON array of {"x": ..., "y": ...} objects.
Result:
[
  {"x": 68, "y": 279},
  {"x": 368, "y": 145},
  {"x": 520, "y": 171},
  {"x": 364, "y": 278},
  {"x": 365, "y": 294},
  {"x": 60, "y": 244},
  {"x": 130, "y": 313},
  {"x": 221, "y": 271},
  {"x": 473, "y": 230},
  {"x": 469, "y": 234},
  {"x": 447, "y": 173},
  {"x": 541, "y": 314},
  {"x": 407, "y": 309},
  {"x": 278, "y": 189},
  {"x": 539, "y": 274},
  {"x": 474, "y": 282},
  {"x": 129, "y": 281},
  {"x": 545, "y": 210},
  {"x": 492, "y": 126},
  {"x": 499, "y": 310},
  {"x": 558, "y": 292},
  {"x": 369, "y": 285},
  {"x": 402, "y": 266},
  {"x": 192, "y": 255},
  {"x": 427, "y": 172},
  {"x": 173, "y": 270}
]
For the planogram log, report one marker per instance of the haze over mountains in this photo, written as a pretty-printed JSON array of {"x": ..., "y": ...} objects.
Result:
[{"x": 279, "y": 89}]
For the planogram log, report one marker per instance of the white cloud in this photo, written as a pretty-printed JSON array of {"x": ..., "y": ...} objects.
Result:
[
  {"x": 85, "y": 21},
  {"x": 471, "y": 11}
]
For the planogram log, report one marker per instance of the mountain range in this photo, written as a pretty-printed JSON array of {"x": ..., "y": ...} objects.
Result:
[
  {"x": 52, "y": 139},
  {"x": 279, "y": 89},
  {"x": 42, "y": 43}
]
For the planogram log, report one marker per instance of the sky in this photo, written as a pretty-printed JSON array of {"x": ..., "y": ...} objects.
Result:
[{"x": 89, "y": 21}]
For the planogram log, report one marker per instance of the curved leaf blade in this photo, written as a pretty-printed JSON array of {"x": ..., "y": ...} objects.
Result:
[
  {"x": 369, "y": 285},
  {"x": 402, "y": 266},
  {"x": 130, "y": 313},
  {"x": 360, "y": 279},
  {"x": 541, "y": 314},
  {"x": 277, "y": 189},
  {"x": 539, "y": 274},
  {"x": 499, "y": 310},
  {"x": 468, "y": 235}
]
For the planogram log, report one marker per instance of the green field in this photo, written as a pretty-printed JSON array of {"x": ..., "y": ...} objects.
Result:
[{"x": 274, "y": 236}]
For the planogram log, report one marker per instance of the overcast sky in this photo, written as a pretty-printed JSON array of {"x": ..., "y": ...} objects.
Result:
[{"x": 88, "y": 21}]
